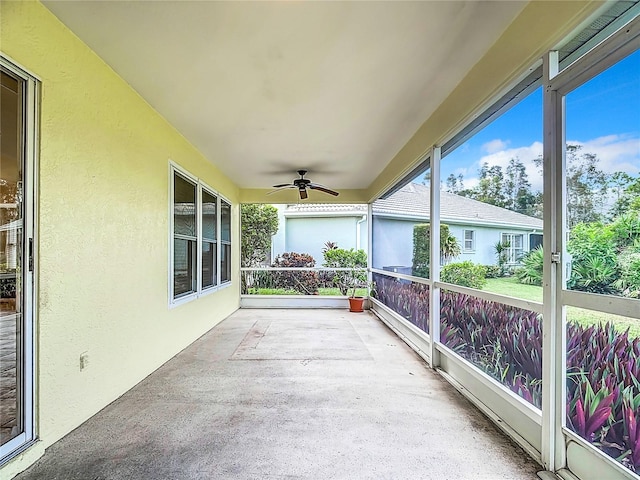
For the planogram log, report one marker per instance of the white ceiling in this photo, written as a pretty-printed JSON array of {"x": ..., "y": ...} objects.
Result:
[{"x": 265, "y": 88}]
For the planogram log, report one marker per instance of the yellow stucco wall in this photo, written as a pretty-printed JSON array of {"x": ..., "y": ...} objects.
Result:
[{"x": 103, "y": 229}]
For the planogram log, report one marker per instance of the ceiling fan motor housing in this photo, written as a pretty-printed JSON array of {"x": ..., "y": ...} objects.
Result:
[{"x": 302, "y": 184}]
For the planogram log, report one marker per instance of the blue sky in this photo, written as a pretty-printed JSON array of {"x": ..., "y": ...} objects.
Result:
[{"x": 603, "y": 116}]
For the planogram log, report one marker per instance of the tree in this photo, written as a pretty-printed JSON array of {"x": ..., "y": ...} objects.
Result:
[
  {"x": 490, "y": 189},
  {"x": 586, "y": 187},
  {"x": 455, "y": 184},
  {"x": 627, "y": 190},
  {"x": 517, "y": 189},
  {"x": 510, "y": 189},
  {"x": 449, "y": 248},
  {"x": 258, "y": 223}
]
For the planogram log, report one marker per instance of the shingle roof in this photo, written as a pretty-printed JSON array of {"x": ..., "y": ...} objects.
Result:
[{"x": 413, "y": 201}]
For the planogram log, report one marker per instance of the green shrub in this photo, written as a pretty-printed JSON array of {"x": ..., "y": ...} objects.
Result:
[
  {"x": 342, "y": 258},
  {"x": 421, "y": 271},
  {"x": 594, "y": 274},
  {"x": 303, "y": 282},
  {"x": 626, "y": 230},
  {"x": 466, "y": 274},
  {"x": 594, "y": 263},
  {"x": 449, "y": 248},
  {"x": 421, "y": 254},
  {"x": 493, "y": 271},
  {"x": 629, "y": 281},
  {"x": 530, "y": 272}
]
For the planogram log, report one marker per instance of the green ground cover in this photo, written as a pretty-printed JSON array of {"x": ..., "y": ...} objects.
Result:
[{"x": 511, "y": 287}]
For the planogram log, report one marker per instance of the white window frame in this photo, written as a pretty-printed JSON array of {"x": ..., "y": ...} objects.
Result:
[
  {"x": 175, "y": 169},
  {"x": 473, "y": 240},
  {"x": 197, "y": 237},
  {"x": 203, "y": 187},
  {"x": 512, "y": 256},
  {"x": 222, "y": 242}
]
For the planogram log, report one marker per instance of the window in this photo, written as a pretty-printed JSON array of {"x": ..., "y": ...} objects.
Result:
[
  {"x": 225, "y": 240},
  {"x": 469, "y": 240},
  {"x": 200, "y": 254},
  {"x": 185, "y": 237},
  {"x": 209, "y": 244},
  {"x": 514, "y": 246}
]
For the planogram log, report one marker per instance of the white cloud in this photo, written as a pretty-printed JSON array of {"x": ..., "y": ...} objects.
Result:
[
  {"x": 616, "y": 153},
  {"x": 526, "y": 155},
  {"x": 494, "y": 146}
]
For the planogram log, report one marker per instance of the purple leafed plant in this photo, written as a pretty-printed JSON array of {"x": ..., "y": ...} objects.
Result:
[
  {"x": 631, "y": 422},
  {"x": 603, "y": 366},
  {"x": 408, "y": 299},
  {"x": 588, "y": 411}
]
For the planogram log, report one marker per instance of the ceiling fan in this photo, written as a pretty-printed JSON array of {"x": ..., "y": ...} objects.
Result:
[{"x": 302, "y": 184}]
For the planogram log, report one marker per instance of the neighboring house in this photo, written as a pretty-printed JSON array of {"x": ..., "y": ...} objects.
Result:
[
  {"x": 477, "y": 226},
  {"x": 305, "y": 228}
]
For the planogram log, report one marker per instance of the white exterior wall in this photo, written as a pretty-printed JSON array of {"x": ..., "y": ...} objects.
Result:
[
  {"x": 485, "y": 240},
  {"x": 309, "y": 234},
  {"x": 392, "y": 242},
  {"x": 393, "y": 245}
]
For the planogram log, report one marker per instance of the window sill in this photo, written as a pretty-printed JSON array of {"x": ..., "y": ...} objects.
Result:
[{"x": 194, "y": 296}]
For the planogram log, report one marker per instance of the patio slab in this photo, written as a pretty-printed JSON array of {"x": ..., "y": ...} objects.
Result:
[{"x": 289, "y": 394}]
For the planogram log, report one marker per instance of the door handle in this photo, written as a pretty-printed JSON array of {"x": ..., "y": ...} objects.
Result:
[{"x": 31, "y": 254}]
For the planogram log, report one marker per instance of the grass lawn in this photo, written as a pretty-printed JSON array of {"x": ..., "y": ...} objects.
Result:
[{"x": 511, "y": 287}]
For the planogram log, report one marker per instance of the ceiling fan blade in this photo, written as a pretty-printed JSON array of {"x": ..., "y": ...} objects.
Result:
[
  {"x": 324, "y": 189},
  {"x": 284, "y": 185},
  {"x": 303, "y": 193},
  {"x": 281, "y": 188}
]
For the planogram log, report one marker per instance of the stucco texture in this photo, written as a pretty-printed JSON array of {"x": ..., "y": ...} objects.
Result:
[{"x": 102, "y": 225}]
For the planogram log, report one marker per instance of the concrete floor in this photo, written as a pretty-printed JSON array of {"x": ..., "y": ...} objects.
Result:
[{"x": 289, "y": 394}]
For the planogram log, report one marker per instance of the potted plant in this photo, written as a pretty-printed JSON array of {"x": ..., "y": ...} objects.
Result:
[
  {"x": 357, "y": 279},
  {"x": 348, "y": 281}
]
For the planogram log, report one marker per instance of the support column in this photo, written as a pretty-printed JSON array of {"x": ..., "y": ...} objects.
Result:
[
  {"x": 434, "y": 259},
  {"x": 369, "y": 242},
  {"x": 553, "y": 329}
]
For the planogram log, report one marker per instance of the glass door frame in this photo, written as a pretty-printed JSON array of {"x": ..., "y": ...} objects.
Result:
[
  {"x": 31, "y": 102},
  {"x": 556, "y": 437}
]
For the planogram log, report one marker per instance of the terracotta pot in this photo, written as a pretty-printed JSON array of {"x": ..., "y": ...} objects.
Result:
[{"x": 356, "y": 304}]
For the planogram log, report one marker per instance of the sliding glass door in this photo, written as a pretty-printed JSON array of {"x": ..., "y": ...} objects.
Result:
[{"x": 17, "y": 130}]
